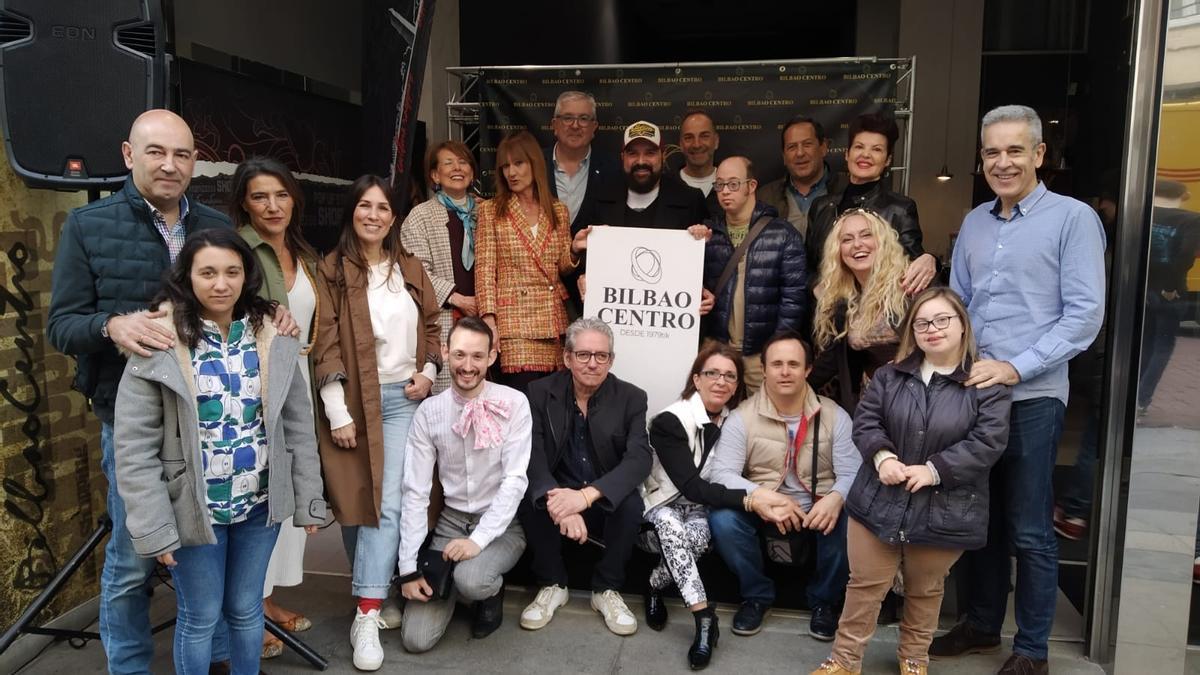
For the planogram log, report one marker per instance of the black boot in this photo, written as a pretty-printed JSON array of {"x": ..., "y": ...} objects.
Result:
[
  {"x": 489, "y": 614},
  {"x": 656, "y": 609},
  {"x": 707, "y": 632}
]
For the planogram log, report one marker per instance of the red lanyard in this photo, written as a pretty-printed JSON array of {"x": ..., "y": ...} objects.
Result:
[{"x": 794, "y": 455}]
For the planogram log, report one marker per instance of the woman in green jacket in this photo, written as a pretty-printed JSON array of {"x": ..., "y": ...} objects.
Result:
[{"x": 266, "y": 207}]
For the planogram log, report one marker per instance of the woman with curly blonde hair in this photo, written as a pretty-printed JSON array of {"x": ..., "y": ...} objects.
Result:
[{"x": 860, "y": 303}]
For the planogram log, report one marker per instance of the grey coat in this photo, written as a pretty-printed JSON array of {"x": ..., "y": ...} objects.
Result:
[{"x": 157, "y": 445}]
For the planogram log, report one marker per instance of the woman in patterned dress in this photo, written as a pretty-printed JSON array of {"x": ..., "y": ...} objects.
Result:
[
  {"x": 215, "y": 447},
  {"x": 523, "y": 248}
]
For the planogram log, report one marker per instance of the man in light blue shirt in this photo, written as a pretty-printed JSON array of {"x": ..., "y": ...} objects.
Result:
[{"x": 1030, "y": 267}]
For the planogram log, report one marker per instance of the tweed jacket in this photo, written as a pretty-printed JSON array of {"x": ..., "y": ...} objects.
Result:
[
  {"x": 345, "y": 351},
  {"x": 518, "y": 276},
  {"x": 424, "y": 234}
]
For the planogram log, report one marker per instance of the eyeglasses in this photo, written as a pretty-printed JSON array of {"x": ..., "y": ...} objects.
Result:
[
  {"x": 939, "y": 322},
  {"x": 576, "y": 120},
  {"x": 733, "y": 185},
  {"x": 601, "y": 357},
  {"x": 714, "y": 375}
]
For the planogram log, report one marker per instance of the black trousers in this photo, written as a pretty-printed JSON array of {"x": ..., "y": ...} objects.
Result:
[{"x": 618, "y": 530}]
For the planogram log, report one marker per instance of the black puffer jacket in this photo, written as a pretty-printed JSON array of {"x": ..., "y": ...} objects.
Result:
[
  {"x": 776, "y": 289},
  {"x": 110, "y": 260},
  {"x": 896, "y": 209},
  {"x": 961, "y": 430}
]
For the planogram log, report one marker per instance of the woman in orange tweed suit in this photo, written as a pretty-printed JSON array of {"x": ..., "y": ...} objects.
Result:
[{"x": 523, "y": 247}]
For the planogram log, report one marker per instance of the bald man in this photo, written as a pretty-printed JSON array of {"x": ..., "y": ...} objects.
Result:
[{"x": 110, "y": 262}]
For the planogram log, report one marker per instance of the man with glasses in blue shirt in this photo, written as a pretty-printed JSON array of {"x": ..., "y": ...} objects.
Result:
[
  {"x": 1030, "y": 268},
  {"x": 574, "y": 171}
]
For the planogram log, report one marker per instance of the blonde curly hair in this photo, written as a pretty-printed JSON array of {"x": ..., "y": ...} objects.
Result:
[{"x": 882, "y": 297}]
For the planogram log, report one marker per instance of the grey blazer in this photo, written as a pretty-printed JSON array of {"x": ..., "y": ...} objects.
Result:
[{"x": 157, "y": 445}]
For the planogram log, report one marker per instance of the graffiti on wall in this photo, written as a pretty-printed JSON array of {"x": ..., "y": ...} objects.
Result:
[{"x": 50, "y": 482}]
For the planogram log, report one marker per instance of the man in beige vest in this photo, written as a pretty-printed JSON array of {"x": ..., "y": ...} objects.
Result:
[{"x": 768, "y": 442}]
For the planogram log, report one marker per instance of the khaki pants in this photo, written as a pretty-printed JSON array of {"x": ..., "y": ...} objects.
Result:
[
  {"x": 753, "y": 369},
  {"x": 873, "y": 566}
]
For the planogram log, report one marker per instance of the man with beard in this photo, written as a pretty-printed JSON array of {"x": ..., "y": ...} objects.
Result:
[
  {"x": 477, "y": 434},
  {"x": 648, "y": 198}
]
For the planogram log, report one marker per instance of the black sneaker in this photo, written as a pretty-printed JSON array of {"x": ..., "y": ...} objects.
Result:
[
  {"x": 823, "y": 624},
  {"x": 963, "y": 639},
  {"x": 1019, "y": 664},
  {"x": 656, "y": 609},
  {"x": 489, "y": 614},
  {"x": 749, "y": 618}
]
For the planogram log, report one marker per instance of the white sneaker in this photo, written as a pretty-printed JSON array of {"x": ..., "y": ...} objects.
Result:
[
  {"x": 390, "y": 615},
  {"x": 616, "y": 614},
  {"x": 539, "y": 612},
  {"x": 364, "y": 637}
]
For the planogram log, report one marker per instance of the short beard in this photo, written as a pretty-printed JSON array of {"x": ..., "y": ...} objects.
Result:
[{"x": 643, "y": 187}]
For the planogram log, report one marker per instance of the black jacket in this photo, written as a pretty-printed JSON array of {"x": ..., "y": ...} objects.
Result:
[
  {"x": 841, "y": 362},
  {"x": 617, "y": 425},
  {"x": 775, "y": 288},
  {"x": 894, "y": 208},
  {"x": 110, "y": 260},
  {"x": 600, "y": 172},
  {"x": 962, "y": 430},
  {"x": 678, "y": 206}
]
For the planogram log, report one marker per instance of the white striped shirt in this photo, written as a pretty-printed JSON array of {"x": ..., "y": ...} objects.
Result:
[{"x": 490, "y": 481}]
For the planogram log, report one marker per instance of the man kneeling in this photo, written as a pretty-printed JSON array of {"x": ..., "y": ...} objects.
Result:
[
  {"x": 477, "y": 434},
  {"x": 769, "y": 442}
]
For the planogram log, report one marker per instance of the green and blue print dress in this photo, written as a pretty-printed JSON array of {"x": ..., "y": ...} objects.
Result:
[{"x": 233, "y": 440}]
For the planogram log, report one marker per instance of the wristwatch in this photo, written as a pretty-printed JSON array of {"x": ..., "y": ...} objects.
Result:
[{"x": 104, "y": 328}]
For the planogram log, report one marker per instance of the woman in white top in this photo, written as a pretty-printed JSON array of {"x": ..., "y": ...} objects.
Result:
[
  {"x": 376, "y": 356},
  {"x": 266, "y": 207}
]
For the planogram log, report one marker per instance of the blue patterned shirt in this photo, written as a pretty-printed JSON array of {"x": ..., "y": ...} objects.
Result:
[
  {"x": 233, "y": 440},
  {"x": 1033, "y": 285}
]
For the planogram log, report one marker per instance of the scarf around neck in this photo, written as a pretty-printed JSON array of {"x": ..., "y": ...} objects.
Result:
[{"x": 466, "y": 214}]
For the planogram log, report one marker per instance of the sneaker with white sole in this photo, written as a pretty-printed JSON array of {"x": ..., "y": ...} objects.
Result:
[
  {"x": 539, "y": 612},
  {"x": 364, "y": 637},
  {"x": 390, "y": 615},
  {"x": 616, "y": 614}
]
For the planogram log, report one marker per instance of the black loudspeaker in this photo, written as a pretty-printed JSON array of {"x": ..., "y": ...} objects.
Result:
[{"x": 73, "y": 75}]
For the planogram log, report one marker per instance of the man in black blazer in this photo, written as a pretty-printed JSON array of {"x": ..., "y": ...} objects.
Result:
[{"x": 589, "y": 454}]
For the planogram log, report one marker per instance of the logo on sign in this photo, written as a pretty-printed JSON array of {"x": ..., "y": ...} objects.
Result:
[{"x": 645, "y": 265}]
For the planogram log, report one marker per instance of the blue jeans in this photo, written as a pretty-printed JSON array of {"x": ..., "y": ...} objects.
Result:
[
  {"x": 1159, "y": 329},
  {"x": 1022, "y": 520},
  {"x": 124, "y": 588},
  {"x": 1076, "y": 498},
  {"x": 377, "y": 548},
  {"x": 736, "y": 537},
  {"x": 223, "y": 580}
]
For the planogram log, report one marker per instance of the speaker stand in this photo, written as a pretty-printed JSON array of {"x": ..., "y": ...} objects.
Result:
[{"x": 79, "y": 638}]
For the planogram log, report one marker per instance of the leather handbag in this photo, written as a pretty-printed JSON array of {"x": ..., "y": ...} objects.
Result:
[{"x": 438, "y": 572}]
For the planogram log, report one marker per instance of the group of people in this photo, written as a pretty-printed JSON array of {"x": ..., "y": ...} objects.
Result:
[{"x": 429, "y": 381}]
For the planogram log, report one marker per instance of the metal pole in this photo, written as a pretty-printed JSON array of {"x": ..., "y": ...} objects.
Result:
[{"x": 1128, "y": 284}]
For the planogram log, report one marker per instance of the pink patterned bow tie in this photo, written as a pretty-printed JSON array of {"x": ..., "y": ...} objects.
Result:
[{"x": 480, "y": 414}]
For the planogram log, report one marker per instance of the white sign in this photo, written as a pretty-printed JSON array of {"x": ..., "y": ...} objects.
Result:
[{"x": 645, "y": 284}]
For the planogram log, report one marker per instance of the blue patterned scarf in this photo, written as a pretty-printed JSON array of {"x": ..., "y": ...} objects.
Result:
[{"x": 467, "y": 215}]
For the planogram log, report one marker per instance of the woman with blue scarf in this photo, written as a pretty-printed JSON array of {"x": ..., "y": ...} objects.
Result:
[{"x": 441, "y": 233}]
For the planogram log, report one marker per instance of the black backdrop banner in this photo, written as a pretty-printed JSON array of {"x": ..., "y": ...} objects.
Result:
[{"x": 748, "y": 102}]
